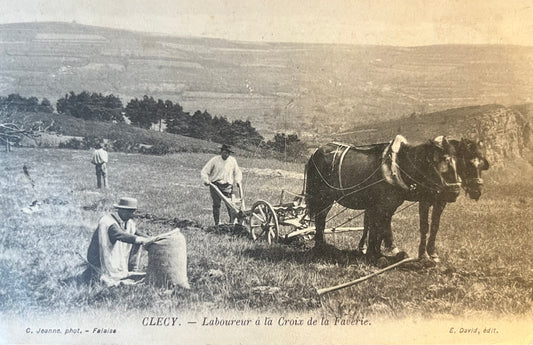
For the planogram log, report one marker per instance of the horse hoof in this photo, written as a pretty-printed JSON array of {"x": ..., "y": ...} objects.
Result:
[
  {"x": 426, "y": 262},
  {"x": 401, "y": 256},
  {"x": 435, "y": 258},
  {"x": 392, "y": 251},
  {"x": 382, "y": 262},
  {"x": 423, "y": 257}
]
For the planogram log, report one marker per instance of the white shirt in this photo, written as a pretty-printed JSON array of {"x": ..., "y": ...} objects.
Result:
[
  {"x": 99, "y": 157},
  {"x": 113, "y": 256},
  {"x": 221, "y": 171}
]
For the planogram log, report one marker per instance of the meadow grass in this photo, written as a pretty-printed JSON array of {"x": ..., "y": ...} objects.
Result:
[{"x": 485, "y": 246}]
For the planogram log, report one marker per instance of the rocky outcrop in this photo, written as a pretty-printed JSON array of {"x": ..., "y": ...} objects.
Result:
[{"x": 507, "y": 134}]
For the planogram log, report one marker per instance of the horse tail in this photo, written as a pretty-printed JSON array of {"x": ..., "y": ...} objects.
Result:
[
  {"x": 312, "y": 181},
  {"x": 304, "y": 186}
]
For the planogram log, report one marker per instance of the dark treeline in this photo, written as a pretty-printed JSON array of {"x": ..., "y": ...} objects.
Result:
[
  {"x": 15, "y": 103},
  {"x": 163, "y": 114},
  {"x": 147, "y": 112},
  {"x": 91, "y": 106}
]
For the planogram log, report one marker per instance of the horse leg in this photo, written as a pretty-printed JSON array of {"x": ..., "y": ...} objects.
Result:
[
  {"x": 388, "y": 241},
  {"x": 362, "y": 241},
  {"x": 320, "y": 224},
  {"x": 375, "y": 236},
  {"x": 423, "y": 214},
  {"x": 438, "y": 207}
]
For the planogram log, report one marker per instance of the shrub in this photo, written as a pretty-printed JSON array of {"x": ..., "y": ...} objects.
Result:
[
  {"x": 89, "y": 142},
  {"x": 73, "y": 144},
  {"x": 123, "y": 145},
  {"x": 158, "y": 149}
]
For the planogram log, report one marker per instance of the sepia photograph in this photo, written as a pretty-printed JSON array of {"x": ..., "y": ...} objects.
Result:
[{"x": 266, "y": 172}]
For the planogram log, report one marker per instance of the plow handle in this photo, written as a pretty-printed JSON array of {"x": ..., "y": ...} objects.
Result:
[
  {"x": 241, "y": 194},
  {"x": 224, "y": 198}
]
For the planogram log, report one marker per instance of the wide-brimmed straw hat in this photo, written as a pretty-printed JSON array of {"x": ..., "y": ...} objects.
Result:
[
  {"x": 225, "y": 147},
  {"x": 127, "y": 203}
]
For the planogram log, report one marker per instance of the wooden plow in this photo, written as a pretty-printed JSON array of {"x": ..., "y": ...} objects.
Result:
[{"x": 279, "y": 222}]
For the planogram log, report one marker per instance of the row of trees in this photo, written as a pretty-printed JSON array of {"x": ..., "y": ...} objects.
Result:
[
  {"x": 15, "y": 103},
  {"x": 147, "y": 112},
  {"x": 91, "y": 106},
  {"x": 165, "y": 115}
]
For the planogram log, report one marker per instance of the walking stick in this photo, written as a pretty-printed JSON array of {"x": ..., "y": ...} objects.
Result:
[{"x": 353, "y": 282}]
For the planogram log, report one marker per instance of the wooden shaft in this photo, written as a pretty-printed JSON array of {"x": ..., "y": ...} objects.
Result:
[
  {"x": 353, "y": 282},
  {"x": 312, "y": 229},
  {"x": 226, "y": 200},
  {"x": 241, "y": 194}
]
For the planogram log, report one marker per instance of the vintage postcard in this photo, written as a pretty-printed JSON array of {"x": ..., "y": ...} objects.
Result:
[{"x": 266, "y": 172}]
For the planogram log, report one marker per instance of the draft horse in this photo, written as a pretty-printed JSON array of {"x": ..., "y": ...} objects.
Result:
[
  {"x": 470, "y": 164},
  {"x": 378, "y": 179}
]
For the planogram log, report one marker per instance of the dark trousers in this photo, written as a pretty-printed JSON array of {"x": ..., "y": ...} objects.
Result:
[
  {"x": 101, "y": 174},
  {"x": 227, "y": 190}
]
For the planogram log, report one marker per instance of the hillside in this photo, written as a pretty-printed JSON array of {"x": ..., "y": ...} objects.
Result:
[
  {"x": 67, "y": 127},
  {"x": 312, "y": 89},
  {"x": 506, "y": 131}
]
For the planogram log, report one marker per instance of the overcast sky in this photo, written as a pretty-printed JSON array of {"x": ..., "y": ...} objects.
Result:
[{"x": 393, "y": 22}]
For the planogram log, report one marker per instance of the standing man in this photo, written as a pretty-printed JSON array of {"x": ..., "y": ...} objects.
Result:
[
  {"x": 100, "y": 162},
  {"x": 222, "y": 171},
  {"x": 114, "y": 249}
]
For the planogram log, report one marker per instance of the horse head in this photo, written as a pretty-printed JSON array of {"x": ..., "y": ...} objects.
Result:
[
  {"x": 442, "y": 159},
  {"x": 470, "y": 163}
]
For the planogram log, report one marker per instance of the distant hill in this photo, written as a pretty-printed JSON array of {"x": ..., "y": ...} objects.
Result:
[
  {"x": 506, "y": 131},
  {"x": 310, "y": 89}
]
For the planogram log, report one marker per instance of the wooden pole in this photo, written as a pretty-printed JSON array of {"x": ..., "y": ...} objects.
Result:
[
  {"x": 241, "y": 194},
  {"x": 353, "y": 282},
  {"x": 226, "y": 200}
]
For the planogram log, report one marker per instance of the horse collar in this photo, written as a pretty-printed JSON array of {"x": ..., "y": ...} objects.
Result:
[{"x": 389, "y": 165}]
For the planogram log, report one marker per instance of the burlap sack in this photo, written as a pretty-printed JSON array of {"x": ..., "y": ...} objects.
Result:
[{"x": 167, "y": 261}]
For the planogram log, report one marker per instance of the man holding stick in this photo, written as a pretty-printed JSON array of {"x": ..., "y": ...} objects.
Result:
[{"x": 221, "y": 172}]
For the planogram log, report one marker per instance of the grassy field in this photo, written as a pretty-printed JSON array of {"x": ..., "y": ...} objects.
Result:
[{"x": 485, "y": 246}]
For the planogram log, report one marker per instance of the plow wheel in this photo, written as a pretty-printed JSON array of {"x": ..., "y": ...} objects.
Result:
[{"x": 264, "y": 222}]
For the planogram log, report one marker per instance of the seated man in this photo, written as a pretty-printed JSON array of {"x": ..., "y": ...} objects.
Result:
[{"x": 114, "y": 249}]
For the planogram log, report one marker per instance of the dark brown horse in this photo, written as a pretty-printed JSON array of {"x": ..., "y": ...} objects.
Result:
[
  {"x": 378, "y": 179},
  {"x": 470, "y": 163}
]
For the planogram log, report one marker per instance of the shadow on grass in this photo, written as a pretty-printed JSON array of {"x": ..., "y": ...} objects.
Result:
[
  {"x": 329, "y": 254},
  {"x": 306, "y": 255}
]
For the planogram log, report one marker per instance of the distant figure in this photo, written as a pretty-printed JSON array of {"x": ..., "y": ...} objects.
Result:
[
  {"x": 114, "y": 253},
  {"x": 100, "y": 162},
  {"x": 221, "y": 171}
]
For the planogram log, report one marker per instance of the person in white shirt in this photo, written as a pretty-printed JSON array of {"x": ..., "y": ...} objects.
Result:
[
  {"x": 100, "y": 162},
  {"x": 114, "y": 251},
  {"x": 222, "y": 171}
]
